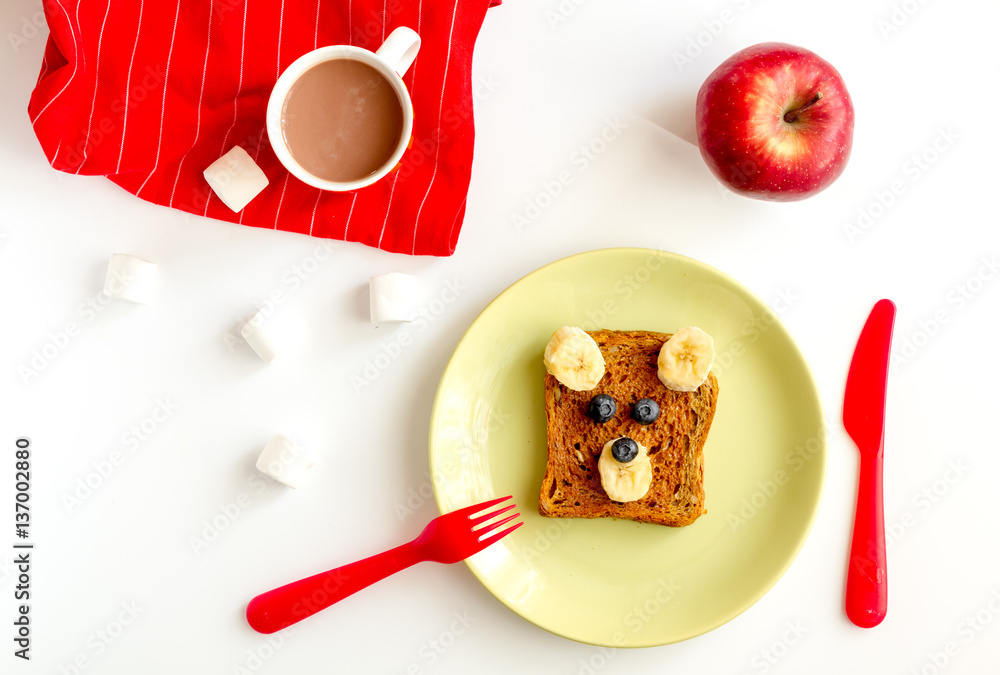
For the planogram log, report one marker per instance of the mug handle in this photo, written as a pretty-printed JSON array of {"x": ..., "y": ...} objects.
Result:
[{"x": 399, "y": 49}]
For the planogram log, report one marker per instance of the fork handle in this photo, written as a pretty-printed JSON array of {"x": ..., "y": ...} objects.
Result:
[
  {"x": 271, "y": 611},
  {"x": 867, "y": 591}
]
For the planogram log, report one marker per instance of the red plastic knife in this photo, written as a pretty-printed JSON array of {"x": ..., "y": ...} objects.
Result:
[{"x": 864, "y": 418}]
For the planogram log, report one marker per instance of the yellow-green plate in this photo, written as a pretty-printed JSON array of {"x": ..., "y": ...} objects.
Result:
[{"x": 615, "y": 582}]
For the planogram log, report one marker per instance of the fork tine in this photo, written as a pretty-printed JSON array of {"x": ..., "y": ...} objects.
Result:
[
  {"x": 473, "y": 509},
  {"x": 491, "y": 527},
  {"x": 492, "y": 514},
  {"x": 497, "y": 534}
]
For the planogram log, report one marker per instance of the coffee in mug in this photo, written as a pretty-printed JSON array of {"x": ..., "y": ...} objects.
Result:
[
  {"x": 339, "y": 118},
  {"x": 342, "y": 120}
]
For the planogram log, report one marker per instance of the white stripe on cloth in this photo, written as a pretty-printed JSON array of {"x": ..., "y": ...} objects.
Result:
[
  {"x": 277, "y": 67},
  {"x": 201, "y": 95},
  {"x": 312, "y": 218},
  {"x": 316, "y": 30},
  {"x": 388, "y": 207},
  {"x": 349, "y": 214},
  {"x": 256, "y": 154},
  {"x": 163, "y": 102},
  {"x": 236, "y": 101},
  {"x": 413, "y": 85},
  {"x": 76, "y": 49},
  {"x": 281, "y": 200},
  {"x": 128, "y": 88},
  {"x": 437, "y": 146},
  {"x": 83, "y": 60},
  {"x": 93, "y": 100},
  {"x": 281, "y": 24},
  {"x": 284, "y": 184}
]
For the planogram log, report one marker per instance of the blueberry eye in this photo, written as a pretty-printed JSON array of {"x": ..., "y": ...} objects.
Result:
[
  {"x": 601, "y": 408},
  {"x": 645, "y": 411},
  {"x": 624, "y": 450}
]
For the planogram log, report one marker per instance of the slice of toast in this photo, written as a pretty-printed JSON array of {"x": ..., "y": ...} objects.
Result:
[{"x": 675, "y": 442}]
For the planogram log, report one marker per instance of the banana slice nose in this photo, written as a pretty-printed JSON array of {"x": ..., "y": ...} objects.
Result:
[{"x": 625, "y": 481}]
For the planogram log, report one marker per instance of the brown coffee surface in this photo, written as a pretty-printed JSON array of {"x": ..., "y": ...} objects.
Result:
[{"x": 342, "y": 120}]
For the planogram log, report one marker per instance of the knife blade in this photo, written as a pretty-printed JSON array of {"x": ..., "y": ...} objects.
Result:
[{"x": 864, "y": 420}]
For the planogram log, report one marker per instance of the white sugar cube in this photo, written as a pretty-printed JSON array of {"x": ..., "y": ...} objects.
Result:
[
  {"x": 270, "y": 334},
  {"x": 130, "y": 278},
  {"x": 235, "y": 178},
  {"x": 285, "y": 462},
  {"x": 393, "y": 297}
]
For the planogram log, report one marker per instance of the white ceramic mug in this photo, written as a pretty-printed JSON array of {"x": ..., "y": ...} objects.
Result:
[{"x": 391, "y": 60}]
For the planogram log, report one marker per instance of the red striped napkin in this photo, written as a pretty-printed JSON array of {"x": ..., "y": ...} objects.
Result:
[{"x": 151, "y": 93}]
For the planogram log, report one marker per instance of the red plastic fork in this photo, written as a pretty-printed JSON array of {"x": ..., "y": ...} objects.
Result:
[{"x": 447, "y": 539}]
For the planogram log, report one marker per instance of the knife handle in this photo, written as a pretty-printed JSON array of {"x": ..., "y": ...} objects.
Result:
[{"x": 867, "y": 592}]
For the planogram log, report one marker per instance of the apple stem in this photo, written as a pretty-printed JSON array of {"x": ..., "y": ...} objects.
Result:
[{"x": 791, "y": 115}]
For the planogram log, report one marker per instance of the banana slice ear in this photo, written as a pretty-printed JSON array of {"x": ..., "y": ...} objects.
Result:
[
  {"x": 574, "y": 358},
  {"x": 686, "y": 359}
]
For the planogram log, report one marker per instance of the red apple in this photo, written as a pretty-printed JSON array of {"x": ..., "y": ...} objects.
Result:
[{"x": 775, "y": 122}]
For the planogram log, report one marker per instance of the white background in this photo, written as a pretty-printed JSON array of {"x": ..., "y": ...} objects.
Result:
[{"x": 551, "y": 76}]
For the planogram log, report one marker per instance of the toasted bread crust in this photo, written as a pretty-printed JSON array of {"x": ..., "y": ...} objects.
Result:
[{"x": 675, "y": 442}]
